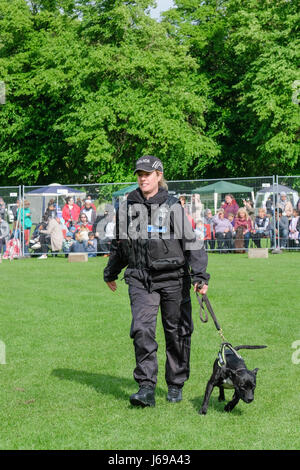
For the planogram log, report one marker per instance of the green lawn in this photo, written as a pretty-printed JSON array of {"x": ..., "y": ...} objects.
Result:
[{"x": 69, "y": 360}]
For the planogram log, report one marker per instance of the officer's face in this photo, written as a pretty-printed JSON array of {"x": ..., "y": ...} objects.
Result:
[{"x": 148, "y": 182}]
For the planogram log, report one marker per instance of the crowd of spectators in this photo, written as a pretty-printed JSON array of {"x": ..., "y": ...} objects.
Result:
[
  {"x": 74, "y": 228},
  {"x": 233, "y": 227}
]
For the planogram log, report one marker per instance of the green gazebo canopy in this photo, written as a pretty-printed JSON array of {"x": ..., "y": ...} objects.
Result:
[
  {"x": 223, "y": 187},
  {"x": 125, "y": 190}
]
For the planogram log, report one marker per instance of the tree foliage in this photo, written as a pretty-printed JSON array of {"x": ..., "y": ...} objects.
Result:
[
  {"x": 91, "y": 86},
  {"x": 249, "y": 53}
]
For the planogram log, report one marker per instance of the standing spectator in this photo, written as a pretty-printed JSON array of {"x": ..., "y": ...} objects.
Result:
[
  {"x": 25, "y": 221},
  {"x": 243, "y": 220},
  {"x": 223, "y": 231},
  {"x": 230, "y": 205},
  {"x": 4, "y": 234},
  {"x": 92, "y": 204},
  {"x": 88, "y": 210},
  {"x": 70, "y": 212}
]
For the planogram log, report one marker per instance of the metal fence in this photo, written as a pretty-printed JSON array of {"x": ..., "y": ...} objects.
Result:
[{"x": 202, "y": 200}]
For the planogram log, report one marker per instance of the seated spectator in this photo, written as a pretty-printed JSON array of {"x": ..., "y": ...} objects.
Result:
[
  {"x": 261, "y": 227},
  {"x": 109, "y": 235},
  {"x": 79, "y": 245},
  {"x": 285, "y": 205},
  {"x": 243, "y": 221},
  {"x": 83, "y": 226},
  {"x": 208, "y": 220},
  {"x": 4, "y": 234},
  {"x": 50, "y": 212},
  {"x": 67, "y": 243},
  {"x": 249, "y": 206},
  {"x": 281, "y": 229},
  {"x": 2, "y": 208},
  {"x": 294, "y": 226},
  {"x": 54, "y": 230},
  {"x": 196, "y": 207},
  {"x": 88, "y": 210},
  {"x": 269, "y": 206},
  {"x": 231, "y": 218},
  {"x": 91, "y": 245},
  {"x": 230, "y": 206},
  {"x": 223, "y": 231},
  {"x": 70, "y": 212},
  {"x": 182, "y": 200}
]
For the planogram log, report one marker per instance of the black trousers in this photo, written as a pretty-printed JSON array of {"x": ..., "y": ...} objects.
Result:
[{"x": 175, "y": 304}]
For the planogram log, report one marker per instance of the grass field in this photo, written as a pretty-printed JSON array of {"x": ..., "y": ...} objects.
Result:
[{"x": 69, "y": 360}]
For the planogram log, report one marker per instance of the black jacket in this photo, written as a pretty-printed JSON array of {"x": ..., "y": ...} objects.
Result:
[{"x": 135, "y": 252}]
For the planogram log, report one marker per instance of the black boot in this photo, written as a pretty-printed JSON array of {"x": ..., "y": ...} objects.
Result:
[
  {"x": 144, "y": 397},
  {"x": 174, "y": 394}
]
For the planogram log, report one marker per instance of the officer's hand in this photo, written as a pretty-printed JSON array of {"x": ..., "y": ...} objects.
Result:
[
  {"x": 203, "y": 289},
  {"x": 112, "y": 285}
]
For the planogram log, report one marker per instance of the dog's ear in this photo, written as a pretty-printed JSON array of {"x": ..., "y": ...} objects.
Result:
[{"x": 255, "y": 371}]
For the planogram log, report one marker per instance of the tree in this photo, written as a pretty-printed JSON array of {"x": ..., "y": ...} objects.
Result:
[
  {"x": 91, "y": 86},
  {"x": 248, "y": 52}
]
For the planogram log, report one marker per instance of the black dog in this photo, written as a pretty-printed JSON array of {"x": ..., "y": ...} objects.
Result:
[{"x": 230, "y": 371}]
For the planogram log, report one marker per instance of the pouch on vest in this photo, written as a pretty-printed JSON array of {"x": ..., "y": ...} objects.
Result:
[{"x": 165, "y": 254}]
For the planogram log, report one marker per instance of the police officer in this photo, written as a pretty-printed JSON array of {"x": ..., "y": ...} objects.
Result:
[{"x": 156, "y": 242}]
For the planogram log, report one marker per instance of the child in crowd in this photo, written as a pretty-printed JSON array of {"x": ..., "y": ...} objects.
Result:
[
  {"x": 261, "y": 227},
  {"x": 231, "y": 218},
  {"x": 67, "y": 243},
  {"x": 91, "y": 245},
  {"x": 294, "y": 227},
  {"x": 243, "y": 220}
]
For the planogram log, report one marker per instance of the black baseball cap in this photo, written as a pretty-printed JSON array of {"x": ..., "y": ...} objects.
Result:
[{"x": 148, "y": 163}]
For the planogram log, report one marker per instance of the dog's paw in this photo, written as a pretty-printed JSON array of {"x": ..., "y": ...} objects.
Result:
[
  {"x": 227, "y": 408},
  {"x": 202, "y": 411}
]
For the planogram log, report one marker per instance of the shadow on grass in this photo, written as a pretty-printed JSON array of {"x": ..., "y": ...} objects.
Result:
[
  {"x": 215, "y": 404},
  {"x": 102, "y": 383}
]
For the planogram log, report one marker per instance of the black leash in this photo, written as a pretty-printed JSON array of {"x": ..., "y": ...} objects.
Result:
[{"x": 205, "y": 307}]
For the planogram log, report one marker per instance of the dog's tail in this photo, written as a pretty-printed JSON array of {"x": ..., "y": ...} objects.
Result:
[{"x": 245, "y": 346}]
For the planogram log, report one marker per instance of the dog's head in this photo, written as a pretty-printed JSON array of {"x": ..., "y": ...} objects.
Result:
[{"x": 244, "y": 382}]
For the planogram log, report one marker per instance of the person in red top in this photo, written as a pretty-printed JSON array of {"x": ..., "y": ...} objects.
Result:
[
  {"x": 83, "y": 223},
  {"x": 230, "y": 205},
  {"x": 70, "y": 212},
  {"x": 243, "y": 220}
]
